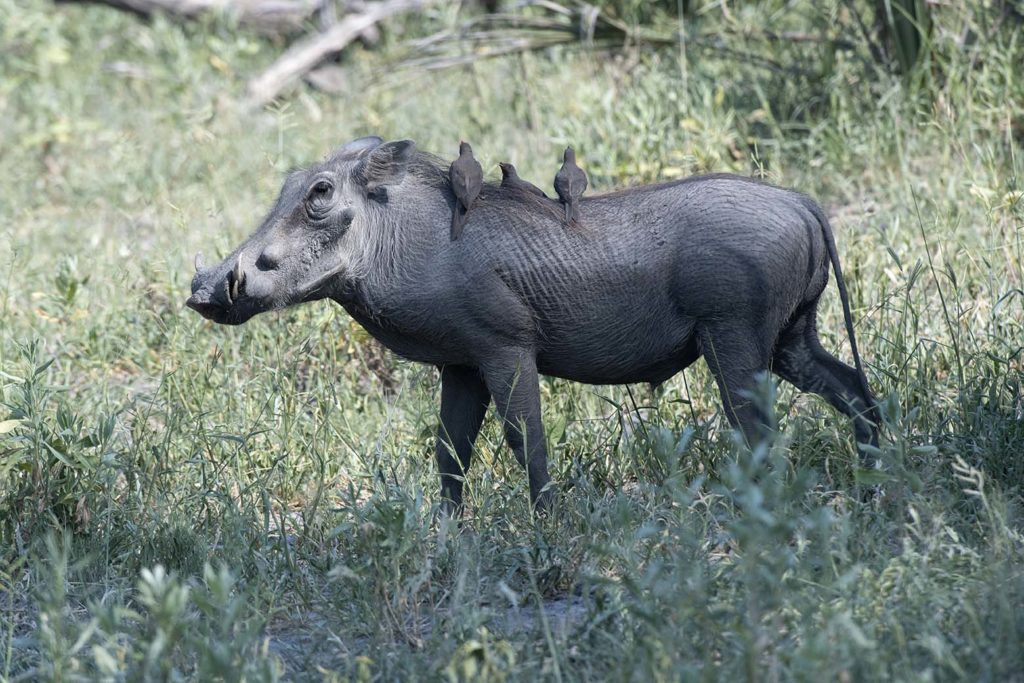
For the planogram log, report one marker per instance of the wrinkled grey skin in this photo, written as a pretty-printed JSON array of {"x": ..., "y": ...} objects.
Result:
[{"x": 650, "y": 280}]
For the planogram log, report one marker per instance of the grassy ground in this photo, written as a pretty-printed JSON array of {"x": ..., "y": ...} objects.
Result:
[{"x": 185, "y": 501}]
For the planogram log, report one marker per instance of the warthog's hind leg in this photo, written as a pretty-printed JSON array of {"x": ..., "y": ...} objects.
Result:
[
  {"x": 736, "y": 357},
  {"x": 800, "y": 359},
  {"x": 512, "y": 379}
]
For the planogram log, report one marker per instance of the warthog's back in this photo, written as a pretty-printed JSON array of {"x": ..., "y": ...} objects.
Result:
[{"x": 618, "y": 299}]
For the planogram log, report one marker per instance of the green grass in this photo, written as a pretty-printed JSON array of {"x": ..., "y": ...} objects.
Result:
[{"x": 185, "y": 501}]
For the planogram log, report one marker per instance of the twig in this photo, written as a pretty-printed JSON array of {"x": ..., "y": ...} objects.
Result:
[{"x": 306, "y": 54}]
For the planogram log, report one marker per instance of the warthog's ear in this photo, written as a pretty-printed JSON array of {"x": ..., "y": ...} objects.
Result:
[
  {"x": 357, "y": 147},
  {"x": 386, "y": 164}
]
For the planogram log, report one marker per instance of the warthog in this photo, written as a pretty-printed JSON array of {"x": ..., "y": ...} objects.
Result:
[{"x": 651, "y": 279}]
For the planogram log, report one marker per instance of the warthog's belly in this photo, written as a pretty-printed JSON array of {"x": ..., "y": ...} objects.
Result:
[
  {"x": 629, "y": 340},
  {"x": 644, "y": 361}
]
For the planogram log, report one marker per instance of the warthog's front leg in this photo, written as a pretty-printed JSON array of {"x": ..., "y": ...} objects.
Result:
[
  {"x": 464, "y": 401},
  {"x": 514, "y": 385}
]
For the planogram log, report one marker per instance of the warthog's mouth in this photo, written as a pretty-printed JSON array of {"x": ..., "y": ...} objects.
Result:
[
  {"x": 223, "y": 302},
  {"x": 313, "y": 288}
]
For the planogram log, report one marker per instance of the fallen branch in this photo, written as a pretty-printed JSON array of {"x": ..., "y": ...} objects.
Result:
[
  {"x": 306, "y": 54},
  {"x": 268, "y": 16}
]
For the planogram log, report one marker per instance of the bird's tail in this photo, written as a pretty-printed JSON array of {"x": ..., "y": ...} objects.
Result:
[
  {"x": 572, "y": 213},
  {"x": 458, "y": 222}
]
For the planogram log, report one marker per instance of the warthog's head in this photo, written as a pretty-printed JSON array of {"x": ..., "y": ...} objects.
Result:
[{"x": 318, "y": 233}]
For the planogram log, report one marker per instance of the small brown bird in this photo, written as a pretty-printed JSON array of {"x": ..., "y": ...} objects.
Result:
[
  {"x": 511, "y": 180},
  {"x": 570, "y": 183},
  {"x": 467, "y": 177}
]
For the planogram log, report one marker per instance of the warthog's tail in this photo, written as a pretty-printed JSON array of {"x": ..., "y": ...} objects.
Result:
[{"x": 833, "y": 255}]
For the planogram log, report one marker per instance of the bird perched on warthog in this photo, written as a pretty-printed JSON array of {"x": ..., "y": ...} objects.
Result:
[
  {"x": 719, "y": 267},
  {"x": 570, "y": 184},
  {"x": 467, "y": 178},
  {"x": 510, "y": 180}
]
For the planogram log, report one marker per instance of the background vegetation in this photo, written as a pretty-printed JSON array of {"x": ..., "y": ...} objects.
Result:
[{"x": 184, "y": 501}]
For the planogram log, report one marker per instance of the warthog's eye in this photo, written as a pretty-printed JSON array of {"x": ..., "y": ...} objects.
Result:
[
  {"x": 322, "y": 187},
  {"x": 319, "y": 198}
]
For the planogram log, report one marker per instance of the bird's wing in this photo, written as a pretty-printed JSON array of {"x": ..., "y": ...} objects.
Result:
[
  {"x": 474, "y": 184},
  {"x": 460, "y": 183},
  {"x": 562, "y": 184},
  {"x": 581, "y": 177},
  {"x": 570, "y": 185}
]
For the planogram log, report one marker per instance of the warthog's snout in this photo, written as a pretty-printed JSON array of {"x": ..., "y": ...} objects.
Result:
[{"x": 214, "y": 292}]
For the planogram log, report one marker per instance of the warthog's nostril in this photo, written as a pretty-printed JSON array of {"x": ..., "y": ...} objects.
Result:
[{"x": 206, "y": 303}]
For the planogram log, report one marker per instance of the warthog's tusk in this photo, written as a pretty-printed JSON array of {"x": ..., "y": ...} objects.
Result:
[
  {"x": 199, "y": 262},
  {"x": 236, "y": 280}
]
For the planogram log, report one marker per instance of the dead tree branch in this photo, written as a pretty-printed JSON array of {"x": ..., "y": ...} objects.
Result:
[{"x": 307, "y": 53}]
